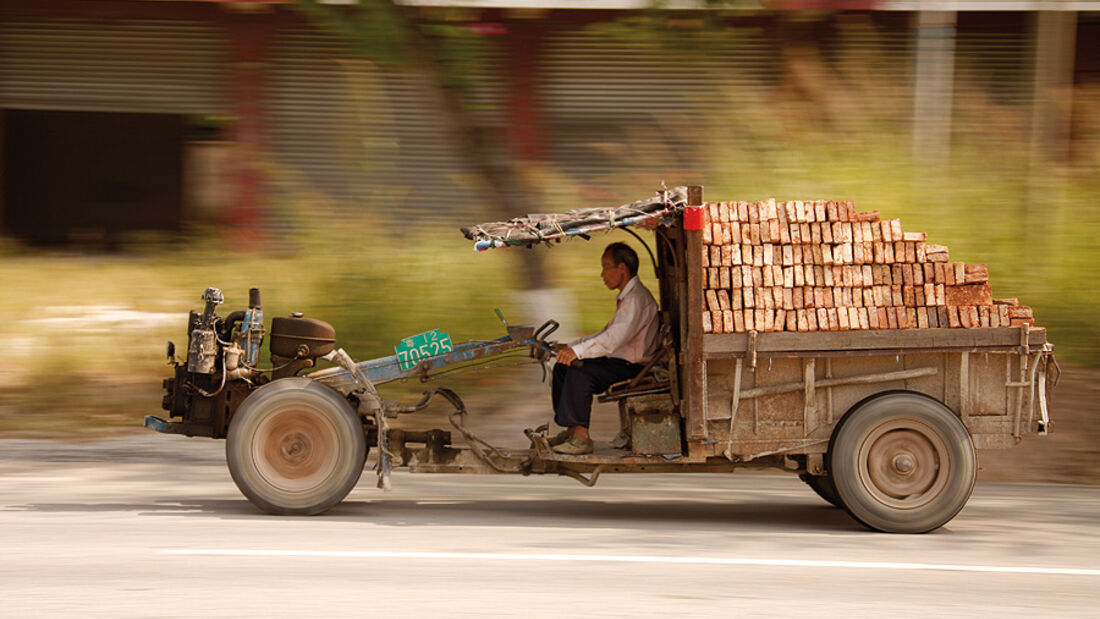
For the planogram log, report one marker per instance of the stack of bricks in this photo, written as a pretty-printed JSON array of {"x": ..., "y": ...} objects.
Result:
[{"x": 822, "y": 266}]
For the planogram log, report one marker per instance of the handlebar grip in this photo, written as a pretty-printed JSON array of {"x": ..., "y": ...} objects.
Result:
[{"x": 546, "y": 329}]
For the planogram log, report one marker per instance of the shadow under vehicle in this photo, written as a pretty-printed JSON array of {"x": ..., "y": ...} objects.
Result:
[{"x": 883, "y": 423}]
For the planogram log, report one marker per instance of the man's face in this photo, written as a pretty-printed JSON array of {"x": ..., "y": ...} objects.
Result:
[{"x": 615, "y": 276}]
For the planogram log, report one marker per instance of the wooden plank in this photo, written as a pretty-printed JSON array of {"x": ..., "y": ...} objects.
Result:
[
  {"x": 863, "y": 379},
  {"x": 964, "y": 386},
  {"x": 884, "y": 339},
  {"x": 692, "y": 357}
]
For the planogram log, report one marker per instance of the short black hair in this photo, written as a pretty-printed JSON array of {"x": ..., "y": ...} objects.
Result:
[{"x": 621, "y": 253}]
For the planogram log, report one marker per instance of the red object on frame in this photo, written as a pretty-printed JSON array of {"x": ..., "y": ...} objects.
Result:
[{"x": 693, "y": 218}]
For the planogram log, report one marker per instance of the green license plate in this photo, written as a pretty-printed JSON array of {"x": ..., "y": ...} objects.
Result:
[{"x": 422, "y": 345}]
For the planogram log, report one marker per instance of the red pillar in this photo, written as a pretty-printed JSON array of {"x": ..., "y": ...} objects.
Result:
[
  {"x": 250, "y": 38},
  {"x": 524, "y": 133}
]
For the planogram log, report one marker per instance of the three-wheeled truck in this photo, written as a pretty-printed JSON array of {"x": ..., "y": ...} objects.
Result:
[{"x": 883, "y": 423}]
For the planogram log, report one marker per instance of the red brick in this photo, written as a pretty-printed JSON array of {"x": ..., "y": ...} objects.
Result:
[
  {"x": 903, "y": 319},
  {"x": 933, "y": 318},
  {"x": 936, "y": 253},
  {"x": 1019, "y": 311},
  {"x": 922, "y": 318},
  {"x": 970, "y": 294},
  {"x": 976, "y": 273},
  {"x": 953, "y": 317}
]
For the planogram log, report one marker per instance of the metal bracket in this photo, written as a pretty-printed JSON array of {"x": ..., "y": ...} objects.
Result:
[
  {"x": 588, "y": 481},
  {"x": 373, "y": 404},
  {"x": 735, "y": 402},
  {"x": 1044, "y": 414},
  {"x": 750, "y": 351},
  {"x": 815, "y": 464}
]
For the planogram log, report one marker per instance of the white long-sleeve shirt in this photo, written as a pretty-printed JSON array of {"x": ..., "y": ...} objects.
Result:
[{"x": 632, "y": 332}]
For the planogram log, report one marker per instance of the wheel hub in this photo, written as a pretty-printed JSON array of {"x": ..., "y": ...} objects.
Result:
[
  {"x": 295, "y": 449},
  {"x": 904, "y": 464}
]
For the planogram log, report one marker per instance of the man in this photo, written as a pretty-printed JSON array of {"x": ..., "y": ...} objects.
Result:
[{"x": 616, "y": 353}]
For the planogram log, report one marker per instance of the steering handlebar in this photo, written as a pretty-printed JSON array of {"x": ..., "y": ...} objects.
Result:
[{"x": 547, "y": 348}]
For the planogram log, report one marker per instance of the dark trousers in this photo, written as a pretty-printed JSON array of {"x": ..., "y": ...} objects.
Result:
[{"x": 573, "y": 388}]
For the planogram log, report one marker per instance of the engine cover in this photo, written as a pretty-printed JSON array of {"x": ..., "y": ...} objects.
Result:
[{"x": 289, "y": 333}]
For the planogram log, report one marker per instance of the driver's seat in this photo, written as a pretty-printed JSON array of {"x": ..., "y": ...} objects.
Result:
[{"x": 654, "y": 378}]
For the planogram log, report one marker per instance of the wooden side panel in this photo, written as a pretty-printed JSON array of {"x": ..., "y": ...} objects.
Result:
[
  {"x": 845, "y": 397},
  {"x": 932, "y": 385},
  {"x": 988, "y": 375},
  {"x": 801, "y": 418},
  {"x": 769, "y": 417}
]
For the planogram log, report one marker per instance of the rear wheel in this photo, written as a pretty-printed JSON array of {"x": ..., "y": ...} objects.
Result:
[
  {"x": 295, "y": 446},
  {"x": 902, "y": 463},
  {"x": 824, "y": 487}
]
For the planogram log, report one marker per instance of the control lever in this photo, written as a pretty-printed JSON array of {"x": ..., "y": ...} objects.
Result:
[
  {"x": 543, "y": 350},
  {"x": 551, "y": 326}
]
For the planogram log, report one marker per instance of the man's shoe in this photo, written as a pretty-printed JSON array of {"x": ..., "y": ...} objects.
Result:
[
  {"x": 576, "y": 447},
  {"x": 558, "y": 438},
  {"x": 621, "y": 440}
]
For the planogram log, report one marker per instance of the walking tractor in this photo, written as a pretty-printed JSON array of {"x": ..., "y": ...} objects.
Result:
[{"x": 803, "y": 336}]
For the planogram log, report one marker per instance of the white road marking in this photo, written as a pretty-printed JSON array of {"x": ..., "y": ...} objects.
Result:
[{"x": 479, "y": 556}]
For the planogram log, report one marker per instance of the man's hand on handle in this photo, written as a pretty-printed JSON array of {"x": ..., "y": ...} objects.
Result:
[{"x": 566, "y": 356}]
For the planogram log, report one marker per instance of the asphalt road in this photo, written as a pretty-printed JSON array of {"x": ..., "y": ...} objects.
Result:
[{"x": 153, "y": 526}]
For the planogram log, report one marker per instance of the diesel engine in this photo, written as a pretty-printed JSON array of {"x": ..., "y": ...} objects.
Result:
[{"x": 223, "y": 362}]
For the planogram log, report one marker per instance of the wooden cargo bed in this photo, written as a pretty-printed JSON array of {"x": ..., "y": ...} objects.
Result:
[{"x": 784, "y": 392}]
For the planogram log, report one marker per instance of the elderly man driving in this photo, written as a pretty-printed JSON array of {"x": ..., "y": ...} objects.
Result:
[{"x": 615, "y": 353}]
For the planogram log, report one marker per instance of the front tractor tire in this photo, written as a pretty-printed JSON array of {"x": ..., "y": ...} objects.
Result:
[
  {"x": 902, "y": 463},
  {"x": 295, "y": 447}
]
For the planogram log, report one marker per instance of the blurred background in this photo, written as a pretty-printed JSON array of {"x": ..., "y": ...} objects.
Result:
[{"x": 327, "y": 152}]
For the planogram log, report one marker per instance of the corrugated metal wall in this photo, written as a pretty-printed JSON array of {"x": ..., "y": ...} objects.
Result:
[
  {"x": 620, "y": 115},
  {"x": 372, "y": 137},
  {"x": 116, "y": 65},
  {"x": 994, "y": 77},
  {"x": 623, "y": 116}
]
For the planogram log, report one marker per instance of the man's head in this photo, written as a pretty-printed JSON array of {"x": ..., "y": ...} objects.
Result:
[{"x": 620, "y": 264}]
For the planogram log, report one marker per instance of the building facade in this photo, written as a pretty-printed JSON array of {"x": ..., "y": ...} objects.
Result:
[{"x": 121, "y": 116}]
